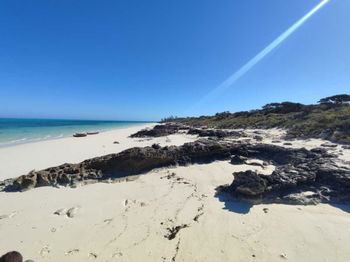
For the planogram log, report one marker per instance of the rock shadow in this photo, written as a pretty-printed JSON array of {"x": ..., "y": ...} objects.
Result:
[{"x": 233, "y": 204}]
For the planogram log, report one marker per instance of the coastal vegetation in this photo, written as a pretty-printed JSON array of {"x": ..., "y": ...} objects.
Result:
[{"x": 329, "y": 119}]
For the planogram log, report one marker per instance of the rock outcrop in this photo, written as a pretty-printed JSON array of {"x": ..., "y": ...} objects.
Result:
[
  {"x": 172, "y": 128},
  {"x": 129, "y": 162},
  {"x": 160, "y": 130},
  {"x": 297, "y": 170},
  {"x": 249, "y": 183},
  {"x": 214, "y": 133}
]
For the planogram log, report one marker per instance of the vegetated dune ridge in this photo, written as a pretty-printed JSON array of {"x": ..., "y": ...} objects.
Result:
[
  {"x": 175, "y": 213},
  {"x": 330, "y": 119}
]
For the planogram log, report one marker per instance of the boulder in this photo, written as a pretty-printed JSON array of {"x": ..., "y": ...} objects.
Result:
[
  {"x": 248, "y": 183},
  {"x": 238, "y": 160},
  {"x": 258, "y": 138}
]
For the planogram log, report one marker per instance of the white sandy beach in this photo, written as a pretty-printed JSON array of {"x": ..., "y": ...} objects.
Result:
[
  {"x": 130, "y": 221},
  {"x": 19, "y": 160}
]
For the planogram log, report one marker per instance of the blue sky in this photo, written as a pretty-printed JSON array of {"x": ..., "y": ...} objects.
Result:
[{"x": 144, "y": 60}]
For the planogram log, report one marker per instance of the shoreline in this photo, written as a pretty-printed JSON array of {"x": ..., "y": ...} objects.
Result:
[
  {"x": 21, "y": 159},
  {"x": 38, "y": 140}
]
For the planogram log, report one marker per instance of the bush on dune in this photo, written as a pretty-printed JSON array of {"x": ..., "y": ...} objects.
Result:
[{"x": 330, "y": 119}]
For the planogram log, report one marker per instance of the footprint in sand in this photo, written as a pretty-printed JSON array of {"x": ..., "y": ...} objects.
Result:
[
  {"x": 128, "y": 203},
  {"x": 117, "y": 254},
  {"x": 71, "y": 212},
  {"x": 61, "y": 211},
  {"x": 8, "y": 215},
  {"x": 45, "y": 251},
  {"x": 92, "y": 255},
  {"x": 283, "y": 255},
  {"x": 108, "y": 220},
  {"x": 72, "y": 252}
]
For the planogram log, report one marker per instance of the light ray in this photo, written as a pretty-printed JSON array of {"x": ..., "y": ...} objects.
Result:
[{"x": 251, "y": 63}]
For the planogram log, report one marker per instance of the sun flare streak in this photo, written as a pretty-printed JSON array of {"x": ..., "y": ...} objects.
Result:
[{"x": 251, "y": 63}]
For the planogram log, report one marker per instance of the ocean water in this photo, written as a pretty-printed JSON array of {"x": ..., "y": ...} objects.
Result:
[{"x": 18, "y": 131}]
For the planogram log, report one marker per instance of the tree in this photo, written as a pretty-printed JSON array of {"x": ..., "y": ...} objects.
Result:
[
  {"x": 169, "y": 119},
  {"x": 337, "y": 99},
  {"x": 222, "y": 115},
  {"x": 284, "y": 107},
  {"x": 272, "y": 106}
]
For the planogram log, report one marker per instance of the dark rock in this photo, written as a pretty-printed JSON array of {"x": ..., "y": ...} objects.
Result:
[
  {"x": 26, "y": 182},
  {"x": 172, "y": 128},
  {"x": 213, "y": 133},
  {"x": 42, "y": 180},
  {"x": 258, "y": 138},
  {"x": 238, "y": 160},
  {"x": 115, "y": 142},
  {"x": 156, "y": 146},
  {"x": 248, "y": 183},
  {"x": 297, "y": 170},
  {"x": 129, "y": 162},
  {"x": 289, "y": 137},
  {"x": 287, "y": 144},
  {"x": 160, "y": 130}
]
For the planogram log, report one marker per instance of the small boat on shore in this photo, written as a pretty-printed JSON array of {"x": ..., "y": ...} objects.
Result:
[
  {"x": 92, "y": 133},
  {"x": 80, "y": 134}
]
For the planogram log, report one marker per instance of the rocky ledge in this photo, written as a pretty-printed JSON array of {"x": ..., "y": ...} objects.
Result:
[
  {"x": 214, "y": 133},
  {"x": 173, "y": 128},
  {"x": 160, "y": 130},
  {"x": 126, "y": 163},
  {"x": 301, "y": 176}
]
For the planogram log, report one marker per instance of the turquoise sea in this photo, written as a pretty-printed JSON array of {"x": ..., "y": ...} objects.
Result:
[{"x": 17, "y": 131}]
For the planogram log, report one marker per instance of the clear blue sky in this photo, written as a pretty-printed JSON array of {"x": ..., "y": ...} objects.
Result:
[{"x": 143, "y": 60}]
